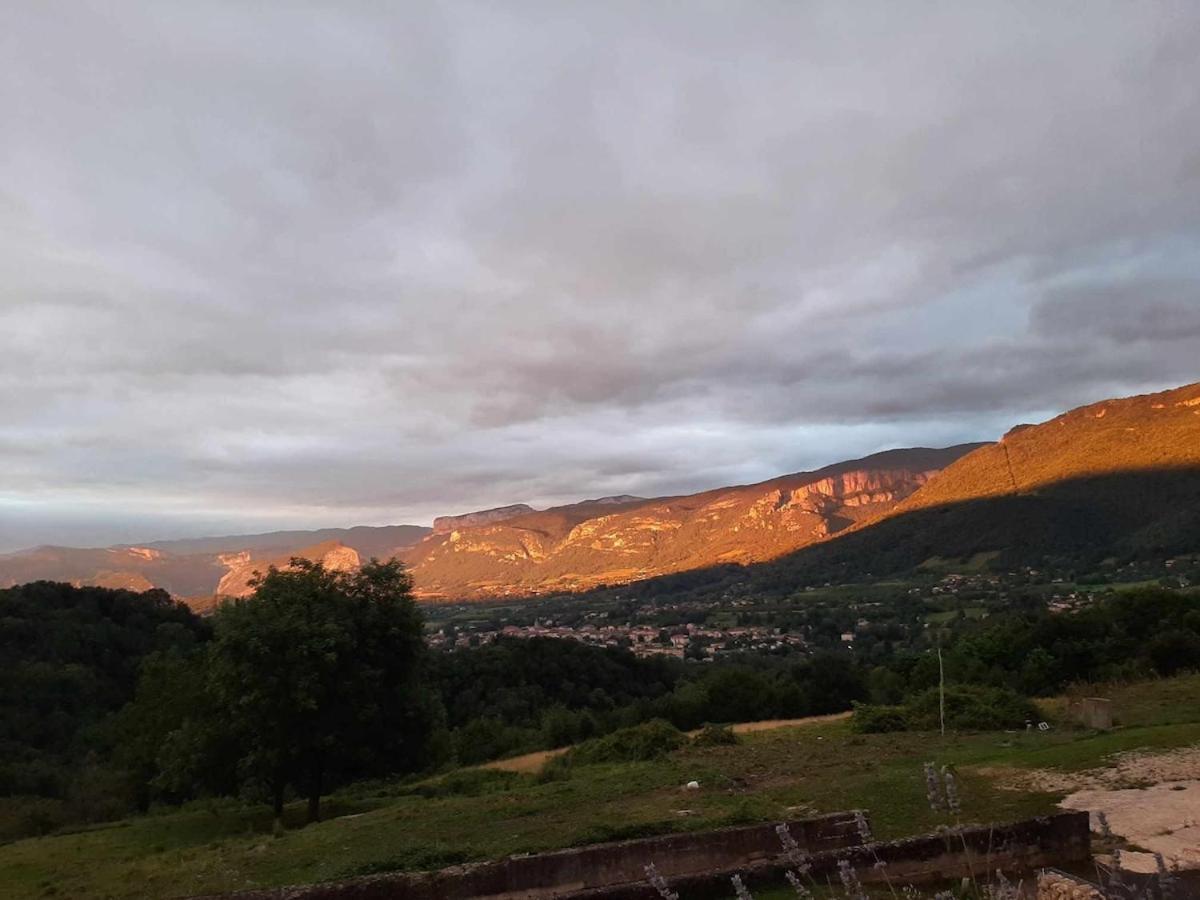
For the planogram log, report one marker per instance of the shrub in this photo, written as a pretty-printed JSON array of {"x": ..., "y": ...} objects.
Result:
[
  {"x": 651, "y": 740},
  {"x": 968, "y": 708},
  {"x": 971, "y": 708},
  {"x": 715, "y": 736},
  {"x": 22, "y": 817},
  {"x": 869, "y": 719},
  {"x": 490, "y": 738}
]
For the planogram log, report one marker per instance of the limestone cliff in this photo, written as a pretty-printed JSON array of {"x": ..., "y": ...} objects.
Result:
[
  {"x": 614, "y": 540},
  {"x": 444, "y": 524}
]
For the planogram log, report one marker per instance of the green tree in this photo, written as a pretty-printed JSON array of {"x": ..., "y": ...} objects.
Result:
[{"x": 317, "y": 675}]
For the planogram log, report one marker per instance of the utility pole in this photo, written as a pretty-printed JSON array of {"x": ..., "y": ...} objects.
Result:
[{"x": 941, "y": 689}]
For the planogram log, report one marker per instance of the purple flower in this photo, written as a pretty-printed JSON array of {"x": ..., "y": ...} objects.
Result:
[
  {"x": 933, "y": 788},
  {"x": 659, "y": 883}
]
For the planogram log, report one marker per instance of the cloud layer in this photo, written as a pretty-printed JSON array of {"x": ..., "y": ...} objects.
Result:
[{"x": 278, "y": 265}]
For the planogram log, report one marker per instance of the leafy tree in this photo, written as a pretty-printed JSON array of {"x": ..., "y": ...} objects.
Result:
[
  {"x": 316, "y": 675},
  {"x": 69, "y": 659}
]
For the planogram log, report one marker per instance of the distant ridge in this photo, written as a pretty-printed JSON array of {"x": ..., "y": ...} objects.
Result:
[
  {"x": 198, "y": 569},
  {"x": 1120, "y": 476},
  {"x": 484, "y": 517}
]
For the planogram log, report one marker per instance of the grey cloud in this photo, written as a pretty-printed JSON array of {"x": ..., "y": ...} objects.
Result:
[
  {"x": 329, "y": 264},
  {"x": 1146, "y": 310}
]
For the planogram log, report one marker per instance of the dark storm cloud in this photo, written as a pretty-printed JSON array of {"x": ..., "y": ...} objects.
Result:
[{"x": 324, "y": 264}]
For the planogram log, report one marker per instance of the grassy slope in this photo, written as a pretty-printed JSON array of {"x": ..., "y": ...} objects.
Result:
[{"x": 769, "y": 776}]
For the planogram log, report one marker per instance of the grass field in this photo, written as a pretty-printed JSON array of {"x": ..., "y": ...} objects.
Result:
[{"x": 477, "y": 814}]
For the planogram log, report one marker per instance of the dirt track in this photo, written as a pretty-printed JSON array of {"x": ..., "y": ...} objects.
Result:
[{"x": 533, "y": 762}]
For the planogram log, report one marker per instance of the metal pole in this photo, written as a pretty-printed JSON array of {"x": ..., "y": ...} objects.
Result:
[{"x": 941, "y": 690}]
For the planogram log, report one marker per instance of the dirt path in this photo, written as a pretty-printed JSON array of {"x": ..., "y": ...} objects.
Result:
[{"x": 533, "y": 762}]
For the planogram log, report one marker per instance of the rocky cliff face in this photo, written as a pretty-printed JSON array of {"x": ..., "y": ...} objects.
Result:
[
  {"x": 614, "y": 540},
  {"x": 242, "y": 566},
  {"x": 443, "y": 524}
]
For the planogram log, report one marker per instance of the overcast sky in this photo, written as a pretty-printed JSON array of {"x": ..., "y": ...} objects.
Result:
[{"x": 268, "y": 264}]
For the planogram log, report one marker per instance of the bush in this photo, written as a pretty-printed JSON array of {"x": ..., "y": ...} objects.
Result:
[
  {"x": 968, "y": 708},
  {"x": 22, "y": 817},
  {"x": 652, "y": 740},
  {"x": 971, "y": 708},
  {"x": 489, "y": 738},
  {"x": 869, "y": 719},
  {"x": 715, "y": 736}
]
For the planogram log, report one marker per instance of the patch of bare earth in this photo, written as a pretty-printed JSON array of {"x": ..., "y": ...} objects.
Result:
[
  {"x": 1151, "y": 800},
  {"x": 772, "y": 724}
]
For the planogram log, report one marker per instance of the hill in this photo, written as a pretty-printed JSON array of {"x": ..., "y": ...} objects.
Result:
[
  {"x": 1114, "y": 481},
  {"x": 622, "y": 539},
  {"x": 198, "y": 570},
  {"x": 1148, "y": 433}
]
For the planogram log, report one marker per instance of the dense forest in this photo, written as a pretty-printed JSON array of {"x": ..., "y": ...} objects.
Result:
[{"x": 110, "y": 696}]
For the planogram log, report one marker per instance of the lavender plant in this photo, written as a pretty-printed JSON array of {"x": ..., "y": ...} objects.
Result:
[
  {"x": 1166, "y": 879},
  {"x": 1003, "y": 889},
  {"x": 659, "y": 883},
  {"x": 863, "y": 826},
  {"x": 739, "y": 888},
  {"x": 797, "y": 857},
  {"x": 853, "y": 887},
  {"x": 933, "y": 788},
  {"x": 951, "y": 791},
  {"x": 802, "y": 892}
]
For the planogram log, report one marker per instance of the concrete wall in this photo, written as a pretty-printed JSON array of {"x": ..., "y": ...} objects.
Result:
[
  {"x": 1092, "y": 712},
  {"x": 1019, "y": 848},
  {"x": 586, "y": 868},
  {"x": 698, "y": 866}
]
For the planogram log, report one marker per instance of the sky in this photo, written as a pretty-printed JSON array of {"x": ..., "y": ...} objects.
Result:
[{"x": 297, "y": 264}]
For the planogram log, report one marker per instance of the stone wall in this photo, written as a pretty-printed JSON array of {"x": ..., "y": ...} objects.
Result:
[{"x": 1060, "y": 886}]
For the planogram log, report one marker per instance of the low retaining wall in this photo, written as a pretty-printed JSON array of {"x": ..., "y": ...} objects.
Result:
[
  {"x": 586, "y": 868},
  {"x": 1021, "y": 847}
]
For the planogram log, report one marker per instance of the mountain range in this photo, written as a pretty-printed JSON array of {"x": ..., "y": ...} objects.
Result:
[{"x": 1109, "y": 468}]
